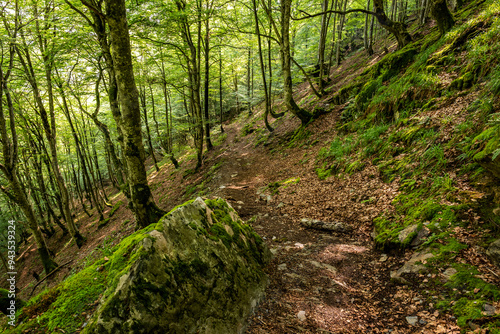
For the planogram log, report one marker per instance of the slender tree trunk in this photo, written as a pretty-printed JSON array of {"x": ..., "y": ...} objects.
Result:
[
  {"x": 142, "y": 95},
  {"x": 220, "y": 89},
  {"x": 262, "y": 67},
  {"x": 300, "y": 113},
  {"x": 206, "y": 86},
  {"x": 340, "y": 30},
  {"x": 141, "y": 199},
  {"x": 249, "y": 102},
  {"x": 325, "y": 20}
]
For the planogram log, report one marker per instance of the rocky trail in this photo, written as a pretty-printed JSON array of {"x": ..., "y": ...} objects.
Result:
[{"x": 320, "y": 281}]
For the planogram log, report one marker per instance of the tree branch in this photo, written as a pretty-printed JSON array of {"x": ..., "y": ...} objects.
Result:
[{"x": 310, "y": 16}]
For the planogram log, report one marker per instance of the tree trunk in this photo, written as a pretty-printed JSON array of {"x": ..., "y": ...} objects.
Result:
[
  {"x": 220, "y": 89},
  {"x": 141, "y": 199},
  {"x": 262, "y": 67},
  {"x": 325, "y": 21},
  {"x": 440, "y": 12},
  {"x": 398, "y": 29},
  {"x": 206, "y": 85},
  {"x": 300, "y": 113},
  {"x": 142, "y": 94},
  {"x": 10, "y": 160},
  {"x": 340, "y": 30}
]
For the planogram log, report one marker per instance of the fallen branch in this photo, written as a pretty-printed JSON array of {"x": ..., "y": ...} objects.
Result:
[{"x": 48, "y": 275}]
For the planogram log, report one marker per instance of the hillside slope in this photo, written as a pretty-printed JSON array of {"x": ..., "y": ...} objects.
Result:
[{"x": 408, "y": 139}]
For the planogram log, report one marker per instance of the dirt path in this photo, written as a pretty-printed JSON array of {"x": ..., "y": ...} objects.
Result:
[{"x": 320, "y": 282}]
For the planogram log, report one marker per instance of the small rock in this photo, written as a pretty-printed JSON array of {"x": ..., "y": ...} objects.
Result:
[
  {"x": 493, "y": 252},
  {"x": 280, "y": 205},
  {"x": 473, "y": 326},
  {"x": 418, "y": 238},
  {"x": 299, "y": 245},
  {"x": 422, "y": 322},
  {"x": 448, "y": 273},
  {"x": 412, "y": 266},
  {"x": 383, "y": 258},
  {"x": 489, "y": 309},
  {"x": 421, "y": 236},
  {"x": 282, "y": 266},
  {"x": 301, "y": 315},
  {"x": 412, "y": 320}
]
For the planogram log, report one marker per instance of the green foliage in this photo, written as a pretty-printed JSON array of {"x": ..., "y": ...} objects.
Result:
[
  {"x": 467, "y": 293},
  {"x": 275, "y": 186},
  {"x": 300, "y": 135},
  {"x": 221, "y": 138},
  {"x": 247, "y": 129}
]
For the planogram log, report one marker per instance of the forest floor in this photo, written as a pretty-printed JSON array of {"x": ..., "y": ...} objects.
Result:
[
  {"x": 339, "y": 280},
  {"x": 319, "y": 281}
]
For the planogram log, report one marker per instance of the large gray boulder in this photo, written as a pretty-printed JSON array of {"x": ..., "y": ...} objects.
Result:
[{"x": 199, "y": 271}]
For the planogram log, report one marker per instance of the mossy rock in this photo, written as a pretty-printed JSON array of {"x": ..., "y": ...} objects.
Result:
[{"x": 200, "y": 272}]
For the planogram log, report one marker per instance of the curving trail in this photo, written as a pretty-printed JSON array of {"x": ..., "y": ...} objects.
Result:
[{"x": 320, "y": 281}]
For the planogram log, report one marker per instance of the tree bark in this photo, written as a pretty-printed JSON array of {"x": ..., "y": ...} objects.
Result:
[
  {"x": 142, "y": 203},
  {"x": 206, "y": 85},
  {"x": 262, "y": 67},
  {"x": 290, "y": 103},
  {"x": 398, "y": 29},
  {"x": 440, "y": 12}
]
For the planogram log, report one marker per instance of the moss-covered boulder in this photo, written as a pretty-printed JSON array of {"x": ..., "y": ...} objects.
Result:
[{"x": 199, "y": 271}]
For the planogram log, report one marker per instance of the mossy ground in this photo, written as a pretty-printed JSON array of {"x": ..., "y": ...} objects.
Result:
[
  {"x": 413, "y": 143},
  {"x": 65, "y": 308}
]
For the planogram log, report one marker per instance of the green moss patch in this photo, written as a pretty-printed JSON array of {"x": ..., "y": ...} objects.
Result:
[{"x": 64, "y": 307}]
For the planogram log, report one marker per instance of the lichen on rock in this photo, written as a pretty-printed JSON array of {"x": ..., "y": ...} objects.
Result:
[{"x": 200, "y": 271}]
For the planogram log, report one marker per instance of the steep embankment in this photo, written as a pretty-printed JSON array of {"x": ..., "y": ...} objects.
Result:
[{"x": 404, "y": 159}]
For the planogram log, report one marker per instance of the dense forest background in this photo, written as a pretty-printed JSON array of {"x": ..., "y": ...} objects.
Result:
[
  {"x": 98, "y": 96},
  {"x": 73, "y": 105}
]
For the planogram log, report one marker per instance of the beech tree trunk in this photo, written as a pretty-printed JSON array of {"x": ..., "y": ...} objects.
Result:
[
  {"x": 290, "y": 103},
  {"x": 262, "y": 67},
  {"x": 141, "y": 199},
  {"x": 440, "y": 12},
  {"x": 398, "y": 29}
]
